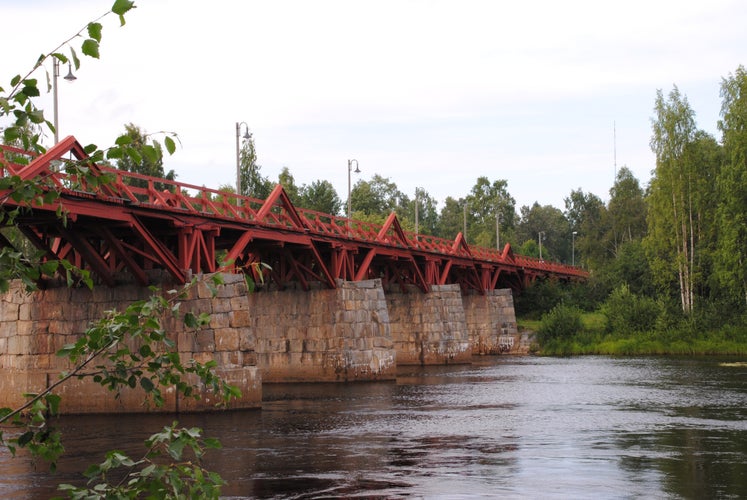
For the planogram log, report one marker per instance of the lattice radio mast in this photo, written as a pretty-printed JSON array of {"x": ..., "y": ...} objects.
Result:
[{"x": 614, "y": 148}]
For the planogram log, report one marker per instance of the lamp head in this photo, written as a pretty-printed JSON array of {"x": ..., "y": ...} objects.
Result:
[
  {"x": 247, "y": 135},
  {"x": 70, "y": 76}
]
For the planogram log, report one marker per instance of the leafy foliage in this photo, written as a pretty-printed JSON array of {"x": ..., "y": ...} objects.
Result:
[
  {"x": 252, "y": 182},
  {"x": 19, "y": 104},
  {"x": 587, "y": 215},
  {"x": 102, "y": 353},
  {"x": 562, "y": 322},
  {"x": 626, "y": 211},
  {"x": 177, "y": 477},
  {"x": 673, "y": 201},
  {"x": 550, "y": 221},
  {"x": 487, "y": 204},
  {"x": 136, "y": 154},
  {"x": 320, "y": 196},
  {"x": 627, "y": 312},
  {"x": 379, "y": 196},
  {"x": 731, "y": 254},
  {"x": 451, "y": 218}
]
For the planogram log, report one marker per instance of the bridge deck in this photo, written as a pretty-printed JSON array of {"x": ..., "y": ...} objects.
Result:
[{"x": 118, "y": 223}]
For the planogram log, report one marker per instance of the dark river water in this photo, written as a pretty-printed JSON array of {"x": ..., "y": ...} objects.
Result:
[{"x": 508, "y": 427}]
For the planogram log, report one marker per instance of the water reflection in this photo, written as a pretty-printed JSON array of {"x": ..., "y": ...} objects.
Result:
[{"x": 512, "y": 427}]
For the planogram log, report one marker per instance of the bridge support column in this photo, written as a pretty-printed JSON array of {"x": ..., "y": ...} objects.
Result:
[
  {"x": 491, "y": 322},
  {"x": 323, "y": 335},
  {"x": 428, "y": 328},
  {"x": 33, "y": 327}
]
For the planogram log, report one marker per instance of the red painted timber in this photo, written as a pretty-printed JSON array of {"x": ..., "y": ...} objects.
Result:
[{"x": 136, "y": 222}]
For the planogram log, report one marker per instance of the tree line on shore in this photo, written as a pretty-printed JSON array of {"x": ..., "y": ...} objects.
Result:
[
  {"x": 673, "y": 251},
  {"x": 671, "y": 275},
  {"x": 667, "y": 268}
]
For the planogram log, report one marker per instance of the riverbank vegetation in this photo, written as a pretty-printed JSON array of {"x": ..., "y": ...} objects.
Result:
[
  {"x": 125, "y": 349},
  {"x": 668, "y": 263},
  {"x": 628, "y": 324},
  {"x": 667, "y": 257}
]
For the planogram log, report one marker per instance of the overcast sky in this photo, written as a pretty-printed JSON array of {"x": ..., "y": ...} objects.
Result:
[{"x": 427, "y": 93}]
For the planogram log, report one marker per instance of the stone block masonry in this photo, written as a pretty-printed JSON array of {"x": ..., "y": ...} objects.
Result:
[
  {"x": 33, "y": 327},
  {"x": 356, "y": 332},
  {"x": 491, "y": 321},
  {"x": 428, "y": 328},
  {"x": 323, "y": 335}
]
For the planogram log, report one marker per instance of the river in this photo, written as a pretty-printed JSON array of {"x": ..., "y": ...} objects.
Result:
[{"x": 508, "y": 427}]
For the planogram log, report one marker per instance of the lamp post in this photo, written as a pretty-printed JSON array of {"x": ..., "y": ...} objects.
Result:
[
  {"x": 541, "y": 235},
  {"x": 350, "y": 170},
  {"x": 55, "y": 75},
  {"x": 417, "y": 220},
  {"x": 247, "y": 135},
  {"x": 573, "y": 247},
  {"x": 464, "y": 232},
  {"x": 498, "y": 218}
]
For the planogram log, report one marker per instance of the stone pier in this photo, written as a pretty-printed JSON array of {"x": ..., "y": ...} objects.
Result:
[
  {"x": 33, "y": 327},
  {"x": 491, "y": 321},
  {"x": 323, "y": 335},
  {"x": 428, "y": 328},
  {"x": 356, "y": 332}
]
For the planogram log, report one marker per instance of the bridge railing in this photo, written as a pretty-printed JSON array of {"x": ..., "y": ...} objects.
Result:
[{"x": 130, "y": 188}]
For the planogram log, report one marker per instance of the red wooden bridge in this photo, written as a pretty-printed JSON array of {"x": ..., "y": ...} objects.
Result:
[{"x": 118, "y": 223}]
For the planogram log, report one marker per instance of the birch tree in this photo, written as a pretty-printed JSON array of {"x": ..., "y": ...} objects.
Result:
[
  {"x": 731, "y": 257},
  {"x": 671, "y": 212}
]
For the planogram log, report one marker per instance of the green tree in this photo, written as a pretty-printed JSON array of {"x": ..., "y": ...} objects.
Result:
[
  {"x": 530, "y": 248},
  {"x": 104, "y": 350},
  {"x": 451, "y": 218},
  {"x": 731, "y": 256},
  {"x": 587, "y": 215},
  {"x": 554, "y": 227},
  {"x": 487, "y": 204},
  {"x": 675, "y": 204},
  {"x": 426, "y": 210},
  {"x": 252, "y": 182},
  {"x": 707, "y": 157},
  {"x": 379, "y": 196},
  {"x": 427, "y": 213},
  {"x": 321, "y": 196},
  {"x": 631, "y": 268},
  {"x": 626, "y": 210},
  {"x": 144, "y": 157},
  {"x": 286, "y": 179}
]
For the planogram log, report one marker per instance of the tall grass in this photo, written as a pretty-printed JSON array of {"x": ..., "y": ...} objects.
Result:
[
  {"x": 629, "y": 324},
  {"x": 594, "y": 340}
]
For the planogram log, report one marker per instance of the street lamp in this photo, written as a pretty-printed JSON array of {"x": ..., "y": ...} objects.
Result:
[
  {"x": 55, "y": 74},
  {"x": 417, "y": 221},
  {"x": 498, "y": 219},
  {"x": 350, "y": 170},
  {"x": 573, "y": 247},
  {"x": 541, "y": 235},
  {"x": 464, "y": 232},
  {"x": 247, "y": 135}
]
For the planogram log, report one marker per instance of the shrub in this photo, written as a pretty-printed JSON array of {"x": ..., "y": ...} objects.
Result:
[
  {"x": 561, "y": 323},
  {"x": 628, "y": 313}
]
